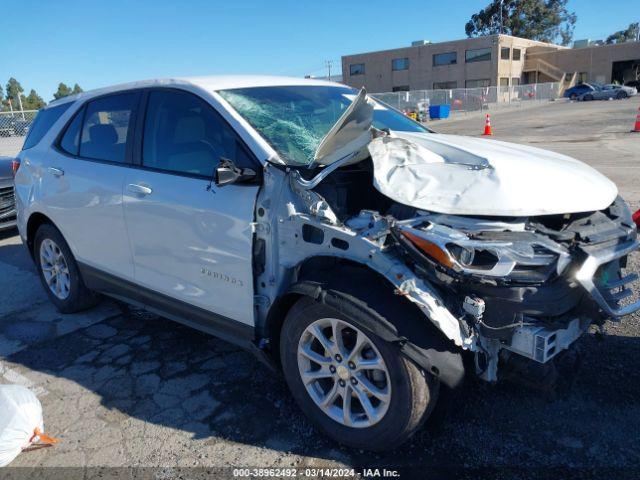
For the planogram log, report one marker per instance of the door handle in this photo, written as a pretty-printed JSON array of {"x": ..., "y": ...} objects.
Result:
[
  {"x": 139, "y": 189},
  {"x": 56, "y": 172}
]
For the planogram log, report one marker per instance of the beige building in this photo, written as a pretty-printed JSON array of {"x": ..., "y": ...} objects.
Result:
[{"x": 487, "y": 61}]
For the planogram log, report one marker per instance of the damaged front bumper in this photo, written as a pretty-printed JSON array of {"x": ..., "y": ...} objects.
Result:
[
  {"x": 536, "y": 293},
  {"x": 608, "y": 293}
]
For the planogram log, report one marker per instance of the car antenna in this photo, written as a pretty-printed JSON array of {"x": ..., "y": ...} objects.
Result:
[{"x": 211, "y": 180}]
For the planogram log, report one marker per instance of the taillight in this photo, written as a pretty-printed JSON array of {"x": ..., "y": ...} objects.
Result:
[
  {"x": 636, "y": 218},
  {"x": 15, "y": 165}
]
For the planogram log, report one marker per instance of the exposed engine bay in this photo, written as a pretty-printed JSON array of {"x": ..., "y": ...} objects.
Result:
[{"x": 497, "y": 284}]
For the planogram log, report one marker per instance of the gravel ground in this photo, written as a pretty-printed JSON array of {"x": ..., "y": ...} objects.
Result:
[{"x": 129, "y": 389}]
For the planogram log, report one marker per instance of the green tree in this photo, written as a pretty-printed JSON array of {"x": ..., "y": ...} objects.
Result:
[
  {"x": 13, "y": 90},
  {"x": 33, "y": 101},
  {"x": 63, "y": 91},
  {"x": 621, "y": 36},
  {"x": 542, "y": 20},
  {"x": 77, "y": 89}
]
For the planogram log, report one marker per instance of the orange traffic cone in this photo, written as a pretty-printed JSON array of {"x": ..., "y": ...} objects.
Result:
[
  {"x": 487, "y": 126},
  {"x": 636, "y": 128}
]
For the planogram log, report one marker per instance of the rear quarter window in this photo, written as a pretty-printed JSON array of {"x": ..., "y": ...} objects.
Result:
[{"x": 42, "y": 123}]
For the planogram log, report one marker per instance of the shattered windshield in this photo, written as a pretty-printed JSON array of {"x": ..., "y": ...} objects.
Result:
[{"x": 295, "y": 119}]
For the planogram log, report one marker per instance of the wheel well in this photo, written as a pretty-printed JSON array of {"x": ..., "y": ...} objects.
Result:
[
  {"x": 35, "y": 221},
  {"x": 317, "y": 269},
  {"x": 368, "y": 287}
]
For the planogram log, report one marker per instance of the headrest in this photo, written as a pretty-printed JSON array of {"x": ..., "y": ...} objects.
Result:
[
  {"x": 189, "y": 129},
  {"x": 104, "y": 134}
]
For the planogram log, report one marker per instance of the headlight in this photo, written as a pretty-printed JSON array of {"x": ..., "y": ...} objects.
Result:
[{"x": 516, "y": 256}]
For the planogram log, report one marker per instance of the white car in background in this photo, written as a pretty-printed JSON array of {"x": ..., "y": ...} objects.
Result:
[{"x": 352, "y": 247}]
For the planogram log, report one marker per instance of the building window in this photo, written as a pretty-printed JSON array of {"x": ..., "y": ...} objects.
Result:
[
  {"x": 505, "y": 53},
  {"x": 581, "y": 78},
  {"x": 445, "y": 85},
  {"x": 478, "y": 55},
  {"x": 399, "y": 64},
  {"x": 400, "y": 88},
  {"x": 515, "y": 81},
  {"x": 482, "y": 82},
  {"x": 516, "y": 54},
  {"x": 356, "y": 69},
  {"x": 449, "y": 58},
  {"x": 504, "y": 81}
]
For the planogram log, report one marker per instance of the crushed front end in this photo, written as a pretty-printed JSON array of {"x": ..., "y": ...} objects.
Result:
[{"x": 524, "y": 287}]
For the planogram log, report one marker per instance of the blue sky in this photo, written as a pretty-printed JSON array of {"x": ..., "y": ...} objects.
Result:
[{"x": 97, "y": 43}]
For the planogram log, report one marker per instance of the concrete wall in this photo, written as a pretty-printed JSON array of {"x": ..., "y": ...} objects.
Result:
[
  {"x": 597, "y": 62},
  {"x": 422, "y": 74}
]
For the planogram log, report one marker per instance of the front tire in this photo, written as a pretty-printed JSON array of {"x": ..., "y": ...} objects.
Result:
[
  {"x": 355, "y": 387},
  {"x": 621, "y": 95},
  {"x": 59, "y": 272}
]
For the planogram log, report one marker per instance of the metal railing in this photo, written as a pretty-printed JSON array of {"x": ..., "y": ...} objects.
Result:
[
  {"x": 470, "y": 99},
  {"x": 14, "y": 127}
]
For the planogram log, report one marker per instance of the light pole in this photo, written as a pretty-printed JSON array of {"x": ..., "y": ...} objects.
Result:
[{"x": 501, "y": 17}]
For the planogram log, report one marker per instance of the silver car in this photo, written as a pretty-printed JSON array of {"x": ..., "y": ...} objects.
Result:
[
  {"x": 608, "y": 92},
  {"x": 7, "y": 199},
  {"x": 354, "y": 249}
]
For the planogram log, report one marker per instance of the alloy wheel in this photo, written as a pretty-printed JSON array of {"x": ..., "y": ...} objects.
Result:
[
  {"x": 344, "y": 373},
  {"x": 55, "y": 269}
]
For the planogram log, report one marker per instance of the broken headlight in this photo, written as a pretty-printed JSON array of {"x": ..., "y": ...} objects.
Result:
[{"x": 515, "y": 256}]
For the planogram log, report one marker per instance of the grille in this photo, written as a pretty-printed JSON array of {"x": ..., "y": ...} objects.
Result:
[{"x": 7, "y": 200}]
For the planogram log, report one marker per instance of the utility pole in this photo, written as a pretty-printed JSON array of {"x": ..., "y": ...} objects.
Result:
[
  {"x": 328, "y": 63},
  {"x": 501, "y": 17}
]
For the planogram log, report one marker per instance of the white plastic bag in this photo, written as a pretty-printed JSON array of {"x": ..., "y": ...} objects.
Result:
[{"x": 21, "y": 421}]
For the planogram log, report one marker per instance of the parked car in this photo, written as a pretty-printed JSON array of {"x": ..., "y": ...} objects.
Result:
[
  {"x": 20, "y": 126},
  {"x": 608, "y": 92},
  {"x": 7, "y": 199},
  {"x": 344, "y": 243},
  {"x": 13, "y": 126},
  {"x": 574, "y": 92}
]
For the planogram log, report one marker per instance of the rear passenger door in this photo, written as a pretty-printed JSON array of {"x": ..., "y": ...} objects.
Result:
[
  {"x": 83, "y": 182},
  {"x": 191, "y": 240}
]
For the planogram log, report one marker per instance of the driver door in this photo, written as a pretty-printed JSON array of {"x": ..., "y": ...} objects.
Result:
[{"x": 191, "y": 241}]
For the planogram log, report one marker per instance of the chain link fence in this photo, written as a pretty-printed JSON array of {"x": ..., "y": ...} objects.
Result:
[
  {"x": 14, "y": 127},
  {"x": 470, "y": 99}
]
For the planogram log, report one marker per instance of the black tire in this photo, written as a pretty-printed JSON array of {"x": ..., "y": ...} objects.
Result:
[
  {"x": 414, "y": 392},
  {"x": 587, "y": 98},
  {"x": 573, "y": 96},
  {"x": 80, "y": 297},
  {"x": 621, "y": 95}
]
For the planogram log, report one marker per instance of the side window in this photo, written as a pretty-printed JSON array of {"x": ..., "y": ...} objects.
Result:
[
  {"x": 106, "y": 126},
  {"x": 43, "y": 122},
  {"x": 184, "y": 134},
  {"x": 70, "y": 142}
]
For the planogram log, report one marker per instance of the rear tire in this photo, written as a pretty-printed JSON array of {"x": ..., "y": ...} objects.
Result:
[
  {"x": 573, "y": 96},
  {"x": 58, "y": 272},
  {"x": 621, "y": 95},
  {"x": 587, "y": 98},
  {"x": 412, "y": 393}
]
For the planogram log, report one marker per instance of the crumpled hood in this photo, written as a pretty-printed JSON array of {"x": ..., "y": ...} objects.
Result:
[{"x": 471, "y": 176}]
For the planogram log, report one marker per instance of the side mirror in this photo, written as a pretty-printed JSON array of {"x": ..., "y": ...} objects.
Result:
[{"x": 228, "y": 173}]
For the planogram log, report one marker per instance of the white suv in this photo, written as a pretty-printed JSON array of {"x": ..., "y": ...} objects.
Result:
[{"x": 339, "y": 240}]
